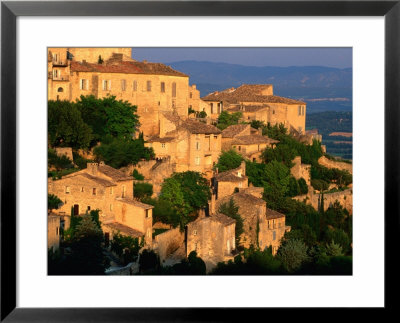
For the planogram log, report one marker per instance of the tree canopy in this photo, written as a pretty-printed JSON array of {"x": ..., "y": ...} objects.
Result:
[
  {"x": 227, "y": 119},
  {"x": 229, "y": 160}
]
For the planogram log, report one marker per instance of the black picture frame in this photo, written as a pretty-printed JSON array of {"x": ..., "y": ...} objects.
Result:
[{"x": 10, "y": 10}]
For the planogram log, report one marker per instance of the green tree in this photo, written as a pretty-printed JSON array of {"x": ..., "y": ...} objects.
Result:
[
  {"x": 126, "y": 247},
  {"x": 137, "y": 175},
  {"x": 149, "y": 261},
  {"x": 202, "y": 114},
  {"x": 276, "y": 184},
  {"x": 227, "y": 119},
  {"x": 193, "y": 265},
  {"x": 293, "y": 254},
  {"x": 108, "y": 116},
  {"x": 303, "y": 186},
  {"x": 230, "y": 209},
  {"x": 142, "y": 190},
  {"x": 53, "y": 202},
  {"x": 87, "y": 256},
  {"x": 294, "y": 188},
  {"x": 229, "y": 160},
  {"x": 122, "y": 152},
  {"x": 334, "y": 249},
  {"x": 66, "y": 128}
]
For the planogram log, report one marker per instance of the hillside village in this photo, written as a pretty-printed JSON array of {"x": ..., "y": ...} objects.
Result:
[{"x": 152, "y": 178}]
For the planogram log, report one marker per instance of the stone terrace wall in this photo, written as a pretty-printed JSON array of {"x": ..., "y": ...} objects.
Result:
[
  {"x": 64, "y": 151},
  {"x": 335, "y": 164},
  {"x": 166, "y": 243},
  {"x": 345, "y": 198},
  {"x": 300, "y": 170}
]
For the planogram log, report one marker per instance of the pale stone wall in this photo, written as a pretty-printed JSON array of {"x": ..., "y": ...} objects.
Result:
[
  {"x": 345, "y": 198},
  {"x": 335, "y": 164},
  {"x": 66, "y": 151},
  {"x": 228, "y": 188},
  {"x": 212, "y": 241},
  {"x": 53, "y": 232},
  {"x": 300, "y": 170},
  {"x": 91, "y": 54},
  {"x": 271, "y": 233},
  {"x": 166, "y": 243}
]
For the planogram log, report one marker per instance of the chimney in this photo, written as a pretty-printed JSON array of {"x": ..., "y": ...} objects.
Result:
[
  {"x": 212, "y": 204},
  {"x": 243, "y": 167},
  {"x": 92, "y": 168}
]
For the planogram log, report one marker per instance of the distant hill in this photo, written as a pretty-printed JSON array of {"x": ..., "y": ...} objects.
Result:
[{"x": 331, "y": 86}]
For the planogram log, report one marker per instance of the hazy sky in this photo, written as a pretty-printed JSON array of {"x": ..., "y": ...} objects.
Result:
[{"x": 340, "y": 57}]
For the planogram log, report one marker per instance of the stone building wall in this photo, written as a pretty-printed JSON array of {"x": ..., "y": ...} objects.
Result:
[
  {"x": 300, "y": 170},
  {"x": 228, "y": 188},
  {"x": 65, "y": 151},
  {"x": 335, "y": 164},
  {"x": 166, "y": 243},
  {"x": 53, "y": 232},
  {"x": 91, "y": 54},
  {"x": 271, "y": 233}
]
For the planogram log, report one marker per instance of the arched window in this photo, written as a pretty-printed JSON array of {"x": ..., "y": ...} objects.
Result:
[{"x": 60, "y": 89}]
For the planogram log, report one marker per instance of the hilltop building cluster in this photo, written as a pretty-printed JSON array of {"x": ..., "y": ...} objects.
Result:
[{"x": 163, "y": 97}]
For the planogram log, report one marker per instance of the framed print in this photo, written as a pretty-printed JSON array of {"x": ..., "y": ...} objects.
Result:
[{"x": 187, "y": 128}]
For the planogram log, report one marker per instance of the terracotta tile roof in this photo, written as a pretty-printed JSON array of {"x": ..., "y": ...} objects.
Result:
[
  {"x": 135, "y": 203},
  {"x": 222, "y": 218},
  {"x": 98, "y": 180},
  {"x": 230, "y": 176},
  {"x": 271, "y": 214},
  {"x": 197, "y": 127},
  {"x": 248, "y": 93},
  {"x": 160, "y": 139},
  {"x": 114, "y": 174},
  {"x": 233, "y": 130},
  {"x": 124, "y": 229},
  {"x": 253, "y": 140},
  {"x": 126, "y": 67}
]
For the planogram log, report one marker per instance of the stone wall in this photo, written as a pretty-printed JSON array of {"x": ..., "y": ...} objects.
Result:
[
  {"x": 300, "y": 170},
  {"x": 65, "y": 151},
  {"x": 335, "y": 164},
  {"x": 53, "y": 232},
  {"x": 166, "y": 243},
  {"x": 345, "y": 198}
]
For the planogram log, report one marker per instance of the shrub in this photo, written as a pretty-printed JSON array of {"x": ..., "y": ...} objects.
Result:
[{"x": 142, "y": 190}]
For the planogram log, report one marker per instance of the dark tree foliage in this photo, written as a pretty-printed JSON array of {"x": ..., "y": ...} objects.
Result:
[
  {"x": 229, "y": 160},
  {"x": 340, "y": 177},
  {"x": 126, "y": 247},
  {"x": 193, "y": 265},
  {"x": 122, "y": 152},
  {"x": 66, "y": 127},
  {"x": 58, "y": 162},
  {"x": 137, "y": 175},
  {"x": 303, "y": 186},
  {"x": 80, "y": 161},
  {"x": 293, "y": 254},
  {"x": 149, "y": 261},
  {"x": 201, "y": 114},
  {"x": 142, "y": 190},
  {"x": 163, "y": 211},
  {"x": 227, "y": 119},
  {"x": 319, "y": 184},
  {"x": 108, "y": 117},
  {"x": 294, "y": 188},
  {"x": 53, "y": 202},
  {"x": 230, "y": 209}
]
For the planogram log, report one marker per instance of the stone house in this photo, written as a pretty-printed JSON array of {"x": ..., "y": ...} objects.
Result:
[
  {"x": 189, "y": 144},
  {"x": 257, "y": 102},
  {"x": 272, "y": 230},
  {"x": 225, "y": 183},
  {"x": 300, "y": 170},
  {"x": 212, "y": 237},
  {"x": 53, "y": 231},
  {"x": 102, "y": 187},
  {"x": 153, "y": 87},
  {"x": 247, "y": 141}
]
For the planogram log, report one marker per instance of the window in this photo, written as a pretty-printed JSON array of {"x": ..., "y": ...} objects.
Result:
[
  {"x": 94, "y": 191},
  {"x": 302, "y": 110},
  {"x": 147, "y": 213},
  {"x": 163, "y": 87},
  {"x": 148, "y": 86},
  {"x": 67, "y": 190},
  {"x": 60, "y": 89},
  {"x": 174, "y": 90},
  {"x": 197, "y": 145},
  {"x": 191, "y": 95},
  {"x": 84, "y": 84},
  {"x": 106, "y": 85},
  {"x": 212, "y": 107},
  {"x": 273, "y": 235},
  {"x": 55, "y": 57},
  {"x": 239, "y": 148},
  {"x": 123, "y": 85},
  {"x": 57, "y": 231},
  {"x": 82, "y": 189},
  {"x": 195, "y": 232},
  {"x": 162, "y": 145},
  {"x": 88, "y": 208},
  {"x": 134, "y": 86},
  {"x": 111, "y": 207},
  {"x": 111, "y": 190},
  {"x": 299, "y": 110},
  {"x": 215, "y": 137},
  {"x": 197, "y": 160},
  {"x": 55, "y": 73},
  {"x": 123, "y": 191},
  {"x": 273, "y": 111}
]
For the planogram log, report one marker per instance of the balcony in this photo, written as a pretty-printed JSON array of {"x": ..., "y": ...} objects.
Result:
[{"x": 60, "y": 63}]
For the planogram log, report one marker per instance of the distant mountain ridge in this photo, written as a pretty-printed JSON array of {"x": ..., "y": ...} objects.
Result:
[{"x": 297, "y": 82}]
